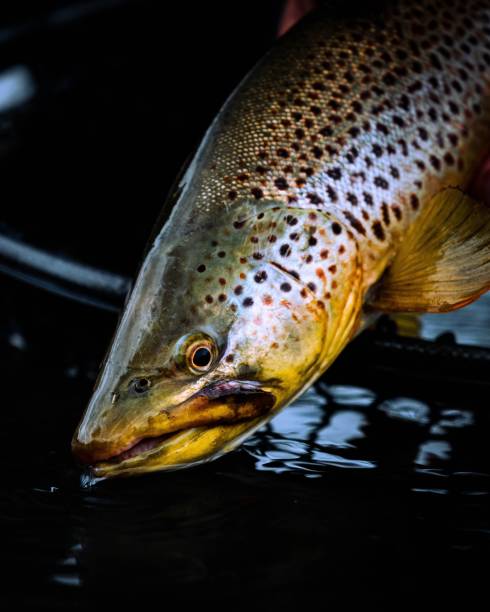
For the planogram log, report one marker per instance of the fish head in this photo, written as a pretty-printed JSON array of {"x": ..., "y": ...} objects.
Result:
[{"x": 228, "y": 321}]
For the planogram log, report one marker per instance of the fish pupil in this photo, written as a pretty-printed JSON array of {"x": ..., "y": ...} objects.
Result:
[{"x": 201, "y": 357}]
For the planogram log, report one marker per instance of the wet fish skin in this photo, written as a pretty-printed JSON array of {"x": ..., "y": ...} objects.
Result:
[
  {"x": 295, "y": 204},
  {"x": 370, "y": 116}
]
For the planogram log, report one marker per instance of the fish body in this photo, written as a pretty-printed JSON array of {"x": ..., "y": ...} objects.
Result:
[{"x": 321, "y": 168}]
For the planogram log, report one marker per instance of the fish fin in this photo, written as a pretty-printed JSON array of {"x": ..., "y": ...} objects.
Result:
[{"x": 444, "y": 260}]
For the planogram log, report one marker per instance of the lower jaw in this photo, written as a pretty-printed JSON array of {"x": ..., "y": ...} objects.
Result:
[
  {"x": 179, "y": 450},
  {"x": 143, "y": 447},
  {"x": 142, "y": 457}
]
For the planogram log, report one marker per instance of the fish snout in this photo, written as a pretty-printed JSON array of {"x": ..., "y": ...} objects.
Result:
[
  {"x": 103, "y": 431},
  {"x": 90, "y": 446},
  {"x": 91, "y": 451}
]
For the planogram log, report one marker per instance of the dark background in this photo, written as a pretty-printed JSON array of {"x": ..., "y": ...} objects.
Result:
[{"x": 122, "y": 93}]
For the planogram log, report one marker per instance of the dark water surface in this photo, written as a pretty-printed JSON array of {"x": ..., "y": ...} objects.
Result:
[{"x": 353, "y": 494}]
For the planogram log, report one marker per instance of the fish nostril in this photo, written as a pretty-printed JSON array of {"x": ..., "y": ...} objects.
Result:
[{"x": 140, "y": 385}]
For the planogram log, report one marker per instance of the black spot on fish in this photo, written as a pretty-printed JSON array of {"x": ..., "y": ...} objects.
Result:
[
  {"x": 260, "y": 277},
  {"x": 334, "y": 173},
  {"x": 356, "y": 224},
  {"x": 281, "y": 183},
  {"x": 378, "y": 230}
]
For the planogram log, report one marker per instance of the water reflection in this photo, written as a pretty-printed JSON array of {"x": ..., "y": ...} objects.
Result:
[
  {"x": 16, "y": 87},
  {"x": 470, "y": 325},
  {"x": 314, "y": 433},
  {"x": 338, "y": 427},
  {"x": 68, "y": 573}
]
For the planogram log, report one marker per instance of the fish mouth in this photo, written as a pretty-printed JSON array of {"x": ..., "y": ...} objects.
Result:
[
  {"x": 145, "y": 445},
  {"x": 218, "y": 417}
]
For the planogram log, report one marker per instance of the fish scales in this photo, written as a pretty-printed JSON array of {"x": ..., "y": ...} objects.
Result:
[
  {"x": 329, "y": 168},
  {"x": 362, "y": 117}
]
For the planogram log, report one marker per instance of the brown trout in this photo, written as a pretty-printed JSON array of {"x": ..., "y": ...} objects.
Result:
[{"x": 330, "y": 187}]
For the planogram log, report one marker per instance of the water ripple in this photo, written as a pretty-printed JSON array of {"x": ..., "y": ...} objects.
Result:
[{"x": 338, "y": 426}]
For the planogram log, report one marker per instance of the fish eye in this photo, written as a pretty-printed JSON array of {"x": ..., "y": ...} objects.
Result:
[
  {"x": 140, "y": 385},
  {"x": 196, "y": 352},
  {"x": 200, "y": 356}
]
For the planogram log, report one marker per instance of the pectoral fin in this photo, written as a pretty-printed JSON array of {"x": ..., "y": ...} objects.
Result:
[{"x": 444, "y": 260}]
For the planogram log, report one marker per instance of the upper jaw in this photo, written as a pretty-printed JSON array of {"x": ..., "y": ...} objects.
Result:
[{"x": 220, "y": 402}]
